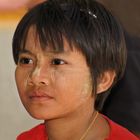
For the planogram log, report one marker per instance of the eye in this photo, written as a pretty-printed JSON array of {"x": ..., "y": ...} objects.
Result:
[
  {"x": 58, "y": 61},
  {"x": 25, "y": 61}
]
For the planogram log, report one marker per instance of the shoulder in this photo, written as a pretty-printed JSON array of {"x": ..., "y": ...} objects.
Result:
[
  {"x": 36, "y": 133},
  {"x": 118, "y": 132}
]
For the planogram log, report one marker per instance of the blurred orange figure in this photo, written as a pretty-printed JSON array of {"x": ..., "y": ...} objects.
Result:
[{"x": 17, "y": 4}]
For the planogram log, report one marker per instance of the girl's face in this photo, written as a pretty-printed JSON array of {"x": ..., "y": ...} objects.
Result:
[{"x": 53, "y": 84}]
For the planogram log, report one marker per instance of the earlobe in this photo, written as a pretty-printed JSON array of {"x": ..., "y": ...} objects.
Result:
[{"x": 105, "y": 81}]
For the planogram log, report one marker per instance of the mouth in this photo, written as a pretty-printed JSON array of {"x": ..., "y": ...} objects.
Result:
[{"x": 39, "y": 96}]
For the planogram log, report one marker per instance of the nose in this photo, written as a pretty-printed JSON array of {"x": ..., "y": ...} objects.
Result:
[{"x": 39, "y": 77}]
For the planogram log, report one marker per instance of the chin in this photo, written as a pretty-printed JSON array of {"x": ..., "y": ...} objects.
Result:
[
  {"x": 38, "y": 116},
  {"x": 41, "y": 115}
]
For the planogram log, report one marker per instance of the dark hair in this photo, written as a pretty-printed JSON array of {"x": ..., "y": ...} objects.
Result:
[{"x": 86, "y": 24}]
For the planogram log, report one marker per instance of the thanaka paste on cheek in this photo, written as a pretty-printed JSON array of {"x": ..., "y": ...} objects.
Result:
[
  {"x": 69, "y": 74},
  {"x": 53, "y": 75},
  {"x": 87, "y": 86}
]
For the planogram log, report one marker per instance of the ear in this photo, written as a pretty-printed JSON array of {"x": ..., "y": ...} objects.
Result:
[{"x": 105, "y": 81}]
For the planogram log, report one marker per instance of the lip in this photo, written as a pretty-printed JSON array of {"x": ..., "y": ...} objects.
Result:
[{"x": 39, "y": 96}]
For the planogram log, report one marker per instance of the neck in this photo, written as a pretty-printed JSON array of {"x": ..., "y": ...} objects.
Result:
[{"x": 71, "y": 127}]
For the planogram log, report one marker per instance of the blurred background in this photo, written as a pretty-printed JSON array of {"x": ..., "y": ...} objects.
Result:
[{"x": 13, "y": 117}]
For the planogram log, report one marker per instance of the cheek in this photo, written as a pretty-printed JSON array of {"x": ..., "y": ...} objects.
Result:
[
  {"x": 21, "y": 79},
  {"x": 18, "y": 77},
  {"x": 87, "y": 86},
  {"x": 74, "y": 84}
]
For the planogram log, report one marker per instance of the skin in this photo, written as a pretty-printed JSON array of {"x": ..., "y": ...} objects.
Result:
[{"x": 57, "y": 87}]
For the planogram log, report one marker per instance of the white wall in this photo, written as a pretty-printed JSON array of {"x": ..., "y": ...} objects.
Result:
[{"x": 13, "y": 117}]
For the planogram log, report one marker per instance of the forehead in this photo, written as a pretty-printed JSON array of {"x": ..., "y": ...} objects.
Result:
[{"x": 33, "y": 41}]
